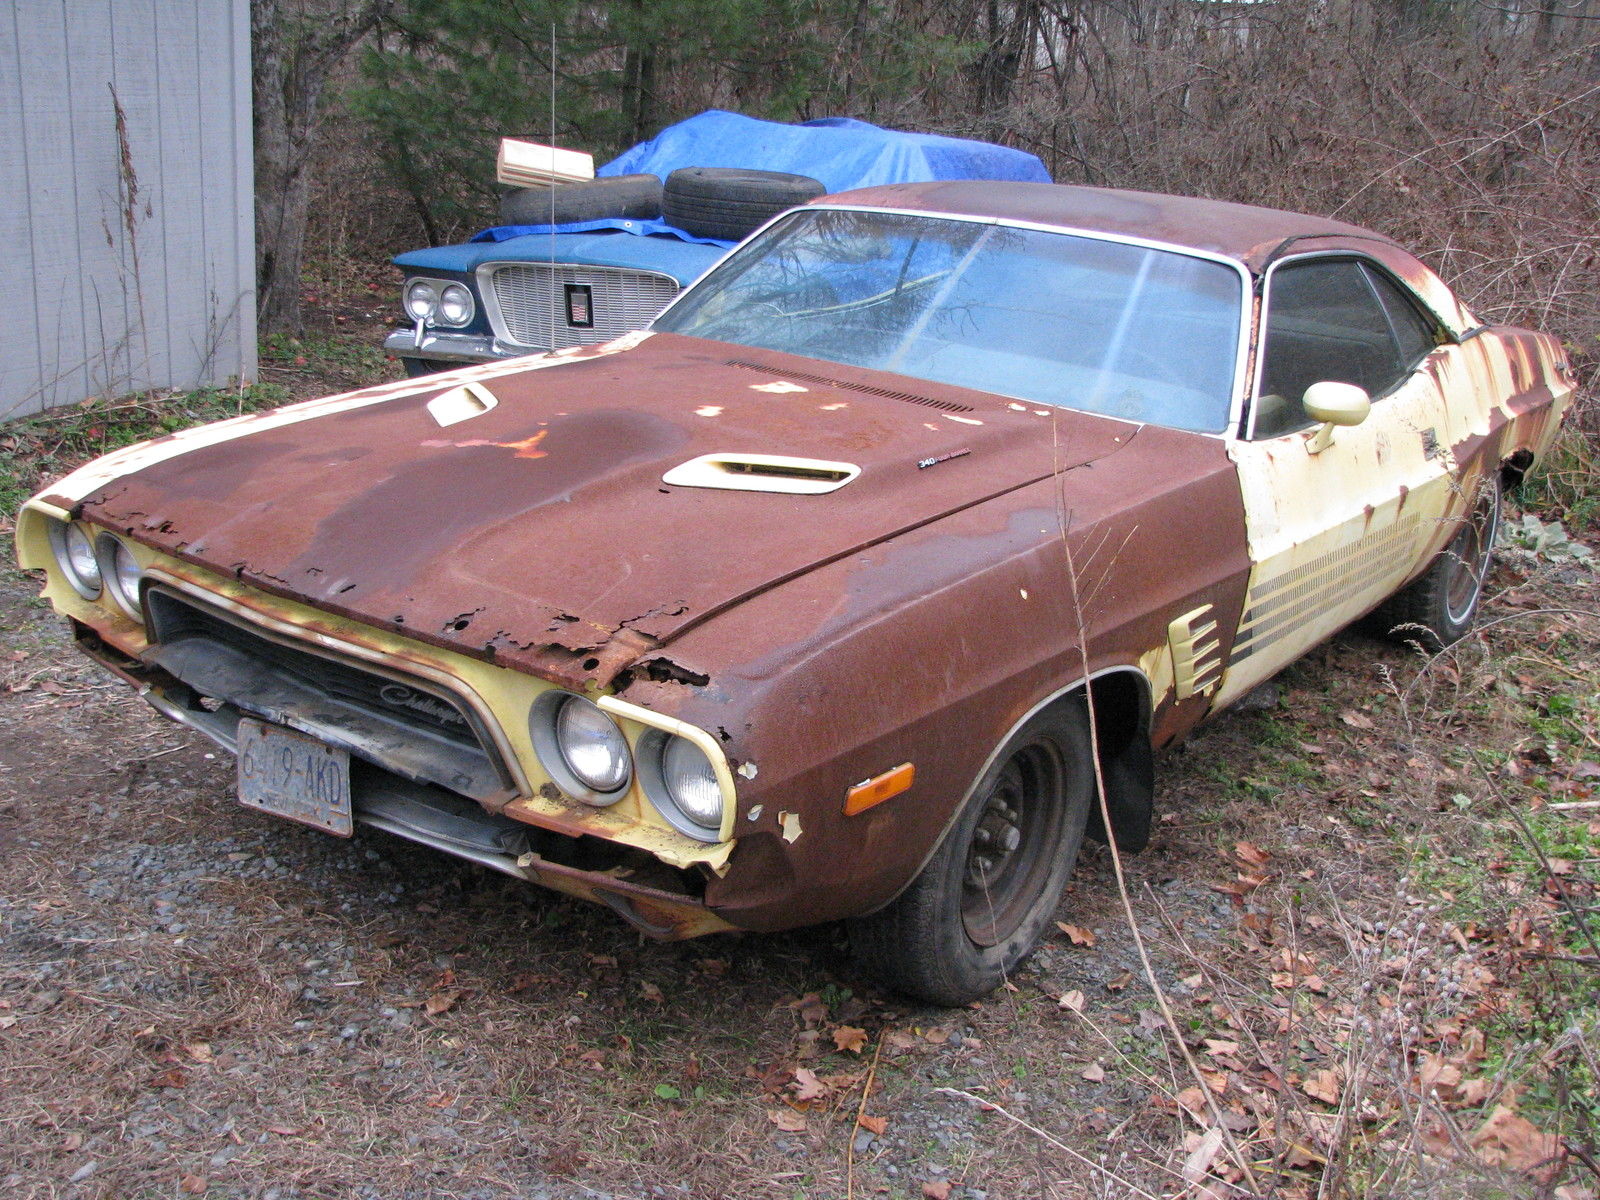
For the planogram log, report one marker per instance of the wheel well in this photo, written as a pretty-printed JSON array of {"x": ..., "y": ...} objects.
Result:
[
  {"x": 1515, "y": 469},
  {"x": 1120, "y": 701}
]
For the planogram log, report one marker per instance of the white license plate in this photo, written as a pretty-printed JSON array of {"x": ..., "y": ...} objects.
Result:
[{"x": 290, "y": 775}]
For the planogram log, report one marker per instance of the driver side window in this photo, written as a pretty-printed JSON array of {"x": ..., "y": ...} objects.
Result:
[{"x": 1332, "y": 319}]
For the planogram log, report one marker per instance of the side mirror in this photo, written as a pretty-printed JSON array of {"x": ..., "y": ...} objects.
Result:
[{"x": 1333, "y": 404}]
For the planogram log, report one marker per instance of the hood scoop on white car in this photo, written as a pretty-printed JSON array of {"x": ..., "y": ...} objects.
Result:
[{"x": 762, "y": 473}]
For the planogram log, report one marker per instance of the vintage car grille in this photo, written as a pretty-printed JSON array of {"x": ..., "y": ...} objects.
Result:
[
  {"x": 531, "y": 304},
  {"x": 410, "y": 727}
]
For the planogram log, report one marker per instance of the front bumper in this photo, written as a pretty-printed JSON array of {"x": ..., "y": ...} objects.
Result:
[{"x": 451, "y": 347}]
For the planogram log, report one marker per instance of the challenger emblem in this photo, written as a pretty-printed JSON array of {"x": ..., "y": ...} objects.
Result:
[{"x": 399, "y": 696}]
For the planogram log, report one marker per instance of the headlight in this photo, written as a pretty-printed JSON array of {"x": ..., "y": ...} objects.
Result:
[
  {"x": 682, "y": 784},
  {"x": 421, "y": 299},
  {"x": 581, "y": 747},
  {"x": 121, "y": 572},
  {"x": 455, "y": 305},
  {"x": 74, "y": 551}
]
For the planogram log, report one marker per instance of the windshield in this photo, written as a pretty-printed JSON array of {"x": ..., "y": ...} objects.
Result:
[{"x": 1052, "y": 318}]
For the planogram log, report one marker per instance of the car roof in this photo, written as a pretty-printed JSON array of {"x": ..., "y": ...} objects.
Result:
[{"x": 1240, "y": 231}]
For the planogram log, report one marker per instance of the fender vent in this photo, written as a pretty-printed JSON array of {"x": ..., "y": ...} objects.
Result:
[
  {"x": 908, "y": 397},
  {"x": 762, "y": 473}
]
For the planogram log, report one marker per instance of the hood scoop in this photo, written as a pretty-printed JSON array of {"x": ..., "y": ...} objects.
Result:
[
  {"x": 461, "y": 404},
  {"x": 762, "y": 473}
]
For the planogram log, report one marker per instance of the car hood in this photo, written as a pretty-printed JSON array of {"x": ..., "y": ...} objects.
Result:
[{"x": 541, "y": 534}]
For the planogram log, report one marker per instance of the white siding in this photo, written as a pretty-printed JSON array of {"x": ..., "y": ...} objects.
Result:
[{"x": 92, "y": 308}]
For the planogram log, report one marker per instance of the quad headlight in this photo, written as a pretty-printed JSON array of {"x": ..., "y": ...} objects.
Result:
[
  {"x": 439, "y": 302},
  {"x": 75, "y": 556},
  {"x": 421, "y": 299},
  {"x": 455, "y": 305},
  {"x": 121, "y": 572},
  {"x": 681, "y": 782},
  {"x": 581, "y": 747}
]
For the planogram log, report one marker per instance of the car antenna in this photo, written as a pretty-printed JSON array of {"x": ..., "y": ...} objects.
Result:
[{"x": 552, "y": 187}]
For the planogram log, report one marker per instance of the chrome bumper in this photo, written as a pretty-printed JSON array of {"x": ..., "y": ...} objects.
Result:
[{"x": 452, "y": 347}]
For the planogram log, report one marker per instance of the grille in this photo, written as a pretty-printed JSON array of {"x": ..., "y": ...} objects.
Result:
[
  {"x": 174, "y": 619},
  {"x": 532, "y": 301}
]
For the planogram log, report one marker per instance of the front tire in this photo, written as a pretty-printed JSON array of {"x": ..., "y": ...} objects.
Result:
[
  {"x": 1442, "y": 603},
  {"x": 981, "y": 903}
]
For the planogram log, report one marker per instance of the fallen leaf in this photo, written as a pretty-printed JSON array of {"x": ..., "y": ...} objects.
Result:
[
  {"x": 649, "y": 991},
  {"x": 1094, "y": 1072},
  {"x": 874, "y": 1124},
  {"x": 811, "y": 1008},
  {"x": 1251, "y": 854},
  {"x": 1193, "y": 1101},
  {"x": 193, "y": 1185},
  {"x": 442, "y": 1001},
  {"x": 1323, "y": 1085},
  {"x": 1079, "y": 935},
  {"x": 170, "y": 1079},
  {"x": 899, "y": 1041},
  {"x": 199, "y": 1051},
  {"x": 807, "y": 1086},
  {"x": 938, "y": 1035},
  {"x": 1507, "y": 1140},
  {"x": 1203, "y": 1155},
  {"x": 283, "y": 1131},
  {"x": 1072, "y": 1000},
  {"x": 936, "y": 1189},
  {"x": 1120, "y": 982},
  {"x": 788, "y": 1120},
  {"x": 849, "y": 1038},
  {"x": 1355, "y": 720},
  {"x": 73, "y": 1141},
  {"x": 1221, "y": 1046}
]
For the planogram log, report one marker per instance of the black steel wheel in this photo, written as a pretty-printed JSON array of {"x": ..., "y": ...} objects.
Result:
[
  {"x": 1441, "y": 605},
  {"x": 981, "y": 903}
]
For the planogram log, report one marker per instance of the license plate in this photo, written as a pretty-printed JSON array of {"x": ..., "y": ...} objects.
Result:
[{"x": 290, "y": 775}]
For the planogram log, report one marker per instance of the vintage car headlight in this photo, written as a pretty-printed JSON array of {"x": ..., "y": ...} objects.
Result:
[
  {"x": 121, "y": 572},
  {"x": 421, "y": 299},
  {"x": 581, "y": 747},
  {"x": 682, "y": 784},
  {"x": 455, "y": 305},
  {"x": 74, "y": 551}
]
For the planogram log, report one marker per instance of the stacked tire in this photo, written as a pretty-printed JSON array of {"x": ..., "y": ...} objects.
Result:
[
  {"x": 722, "y": 203},
  {"x": 728, "y": 203}
]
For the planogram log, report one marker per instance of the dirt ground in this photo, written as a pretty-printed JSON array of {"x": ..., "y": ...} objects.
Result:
[{"x": 197, "y": 999}]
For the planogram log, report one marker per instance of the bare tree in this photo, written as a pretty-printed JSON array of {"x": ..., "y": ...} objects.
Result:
[{"x": 297, "y": 44}]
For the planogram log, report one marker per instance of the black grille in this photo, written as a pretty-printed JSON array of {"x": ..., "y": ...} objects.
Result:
[{"x": 173, "y": 619}]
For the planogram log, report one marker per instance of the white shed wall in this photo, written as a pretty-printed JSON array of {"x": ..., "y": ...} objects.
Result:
[{"x": 131, "y": 257}]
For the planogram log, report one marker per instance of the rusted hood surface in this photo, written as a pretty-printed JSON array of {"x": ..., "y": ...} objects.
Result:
[{"x": 545, "y": 523}]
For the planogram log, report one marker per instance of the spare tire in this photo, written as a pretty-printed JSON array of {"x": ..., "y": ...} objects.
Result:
[
  {"x": 728, "y": 202},
  {"x": 635, "y": 197}
]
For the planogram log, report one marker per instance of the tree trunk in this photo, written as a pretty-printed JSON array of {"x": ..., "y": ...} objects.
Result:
[{"x": 295, "y": 47}]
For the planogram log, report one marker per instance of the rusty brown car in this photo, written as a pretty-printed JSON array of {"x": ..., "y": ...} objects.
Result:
[{"x": 841, "y": 591}]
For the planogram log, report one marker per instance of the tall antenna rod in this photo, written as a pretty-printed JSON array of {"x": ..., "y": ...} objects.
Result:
[{"x": 552, "y": 187}]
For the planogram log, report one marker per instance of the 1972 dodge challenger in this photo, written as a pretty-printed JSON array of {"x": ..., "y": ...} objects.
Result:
[{"x": 837, "y": 592}]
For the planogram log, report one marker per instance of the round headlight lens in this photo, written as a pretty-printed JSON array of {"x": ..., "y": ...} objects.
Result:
[
  {"x": 691, "y": 783},
  {"x": 75, "y": 554},
  {"x": 421, "y": 299},
  {"x": 455, "y": 305},
  {"x": 122, "y": 573},
  {"x": 592, "y": 746}
]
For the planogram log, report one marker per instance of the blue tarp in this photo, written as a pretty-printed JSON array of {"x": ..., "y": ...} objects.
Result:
[{"x": 839, "y": 152}]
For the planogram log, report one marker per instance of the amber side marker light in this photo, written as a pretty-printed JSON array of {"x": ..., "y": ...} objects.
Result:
[{"x": 878, "y": 789}]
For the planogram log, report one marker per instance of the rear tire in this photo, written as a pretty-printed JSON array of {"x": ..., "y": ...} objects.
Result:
[
  {"x": 630, "y": 197},
  {"x": 1441, "y": 605},
  {"x": 980, "y": 905},
  {"x": 727, "y": 203}
]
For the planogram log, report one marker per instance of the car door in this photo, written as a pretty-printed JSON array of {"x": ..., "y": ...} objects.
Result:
[{"x": 1332, "y": 532}]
